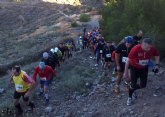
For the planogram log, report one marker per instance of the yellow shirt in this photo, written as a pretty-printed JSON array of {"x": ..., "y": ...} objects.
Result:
[{"x": 20, "y": 84}]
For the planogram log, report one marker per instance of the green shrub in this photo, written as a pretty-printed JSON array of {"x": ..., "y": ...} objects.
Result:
[
  {"x": 89, "y": 9},
  {"x": 125, "y": 17},
  {"x": 74, "y": 24},
  {"x": 84, "y": 18}
]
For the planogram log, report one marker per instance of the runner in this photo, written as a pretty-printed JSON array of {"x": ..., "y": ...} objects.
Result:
[
  {"x": 94, "y": 43},
  {"x": 44, "y": 72},
  {"x": 99, "y": 51},
  {"x": 70, "y": 49},
  {"x": 121, "y": 55},
  {"x": 107, "y": 54},
  {"x": 66, "y": 51},
  {"x": 85, "y": 41},
  {"x": 58, "y": 53},
  {"x": 80, "y": 43},
  {"x": 50, "y": 60},
  {"x": 138, "y": 60},
  {"x": 137, "y": 38},
  {"x": 23, "y": 88},
  {"x": 62, "y": 49}
]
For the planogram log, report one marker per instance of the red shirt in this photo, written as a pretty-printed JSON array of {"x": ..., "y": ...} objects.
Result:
[
  {"x": 139, "y": 58},
  {"x": 43, "y": 73}
]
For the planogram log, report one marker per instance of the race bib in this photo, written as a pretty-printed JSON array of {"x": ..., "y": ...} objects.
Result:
[
  {"x": 108, "y": 55},
  {"x": 18, "y": 87},
  {"x": 143, "y": 62},
  {"x": 124, "y": 59},
  {"x": 43, "y": 78},
  {"x": 101, "y": 51}
]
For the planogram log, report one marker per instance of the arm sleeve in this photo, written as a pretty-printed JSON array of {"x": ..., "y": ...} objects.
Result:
[{"x": 155, "y": 51}]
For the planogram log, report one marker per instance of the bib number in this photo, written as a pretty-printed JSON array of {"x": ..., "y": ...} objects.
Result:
[
  {"x": 43, "y": 78},
  {"x": 108, "y": 55},
  {"x": 18, "y": 87},
  {"x": 124, "y": 59},
  {"x": 143, "y": 62},
  {"x": 101, "y": 51}
]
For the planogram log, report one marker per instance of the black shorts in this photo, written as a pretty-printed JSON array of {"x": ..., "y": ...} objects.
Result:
[
  {"x": 108, "y": 60},
  {"x": 136, "y": 73},
  {"x": 18, "y": 95}
]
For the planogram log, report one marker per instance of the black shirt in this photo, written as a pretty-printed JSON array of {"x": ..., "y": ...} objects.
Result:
[
  {"x": 108, "y": 50},
  {"x": 51, "y": 61},
  {"x": 123, "y": 51}
]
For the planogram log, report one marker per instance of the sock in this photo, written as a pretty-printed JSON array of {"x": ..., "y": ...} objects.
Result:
[{"x": 46, "y": 96}]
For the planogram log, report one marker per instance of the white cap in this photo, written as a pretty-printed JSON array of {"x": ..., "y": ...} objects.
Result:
[
  {"x": 45, "y": 55},
  {"x": 56, "y": 49},
  {"x": 52, "y": 50}
]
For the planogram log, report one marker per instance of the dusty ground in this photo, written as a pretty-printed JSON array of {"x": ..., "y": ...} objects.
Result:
[{"x": 70, "y": 97}]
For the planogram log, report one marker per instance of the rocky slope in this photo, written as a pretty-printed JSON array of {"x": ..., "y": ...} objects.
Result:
[{"x": 34, "y": 28}]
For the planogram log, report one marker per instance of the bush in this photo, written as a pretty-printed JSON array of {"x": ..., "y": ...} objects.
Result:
[
  {"x": 89, "y": 9},
  {"x": 74, "y": 24},
  {"x": 126, "y": 17},
  {"x": 74, "y": 80},
  {"x": 84, "y": 18}
]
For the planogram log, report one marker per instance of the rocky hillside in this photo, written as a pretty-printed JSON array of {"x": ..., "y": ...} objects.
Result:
[
  {"x": 80, "y": 89},
  {"x": 26, "y": 30}
]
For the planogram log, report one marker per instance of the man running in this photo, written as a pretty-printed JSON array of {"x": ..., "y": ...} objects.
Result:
[
  {"x": 121, "y": 55},
  {"x": 62, "y": 49},
  {"x": 107, "y": 54},
  {"x": 99, "y": 51},
  {"x": 23, "y": 88},
  {"x": 44, "y": 72},
  {"x": 80, "y": 43},
  {"x": 138, "y": 60},
  {"x": 50, "y": 60}
]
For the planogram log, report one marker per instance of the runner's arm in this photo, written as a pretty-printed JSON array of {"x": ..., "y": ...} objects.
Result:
[
  {"x": 117, "y": 57},
  {"x": 126, "y": 65},
  {"x": 30, "y": 81},
  {"x": 11, "y": 74},
  {"x": 157, "y": 60},
  {"x": 34, "y": 74},
  {"x": 11, "y": 80},
  {"x": 118, "y": 51},
  {"x": 156, "y": 55}
]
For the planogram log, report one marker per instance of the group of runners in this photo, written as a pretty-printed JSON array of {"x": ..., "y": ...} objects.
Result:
[
  {"x": 45, "y": 70},
  {"x": 132, "y": 57}
]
